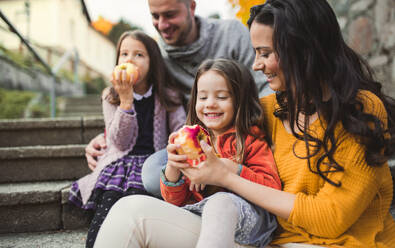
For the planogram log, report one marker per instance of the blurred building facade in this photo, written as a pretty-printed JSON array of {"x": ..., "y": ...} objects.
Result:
[{"x": 55, "y": 27}]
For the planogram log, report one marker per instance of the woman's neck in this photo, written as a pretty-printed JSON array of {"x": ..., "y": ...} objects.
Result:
[{"x": 301, "y": 120}]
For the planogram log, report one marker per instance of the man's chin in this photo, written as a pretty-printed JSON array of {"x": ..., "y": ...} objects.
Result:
[{"x": 169, "y": 40}]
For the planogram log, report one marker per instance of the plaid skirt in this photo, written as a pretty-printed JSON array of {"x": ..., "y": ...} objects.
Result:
[{"x": 121, "y": 175}]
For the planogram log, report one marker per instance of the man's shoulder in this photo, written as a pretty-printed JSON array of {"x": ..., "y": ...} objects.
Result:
[{"x": 224, "y": 23}]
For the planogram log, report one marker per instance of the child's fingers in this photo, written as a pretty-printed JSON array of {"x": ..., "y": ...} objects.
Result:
[
  {"x": 117, "y": 76},
  {"x": 133, "y": 78},
  {"x": 202, "y": 186},
  {"x": 124, "y": 77},
  {"x": 172, "y": 136},
  {"x": 178, "y": 165},
  {"x": 173, "y": 155},
  {"x": 191, "y": 187}
]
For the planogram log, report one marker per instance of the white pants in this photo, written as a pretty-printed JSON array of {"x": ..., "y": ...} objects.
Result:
[{"x": 139, "y": 221}]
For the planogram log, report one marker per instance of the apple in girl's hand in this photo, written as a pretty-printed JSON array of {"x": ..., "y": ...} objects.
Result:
[
  {"x": 131, "y": 71},
  {"x": 189, "y": 138}
]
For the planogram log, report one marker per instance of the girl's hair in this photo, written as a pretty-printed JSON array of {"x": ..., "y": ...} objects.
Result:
[
  {"x": 244, "y": 94},
  {"x": 315, "y": 59},
  {"x": 158, "y": 75}
]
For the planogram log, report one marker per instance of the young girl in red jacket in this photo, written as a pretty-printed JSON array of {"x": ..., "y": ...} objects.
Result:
[{"x": 224, "y": 101}]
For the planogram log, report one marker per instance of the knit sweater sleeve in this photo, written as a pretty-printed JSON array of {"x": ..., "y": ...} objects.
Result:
[
  {"x": 121, "y": 128},
  {"x": 332, "y": 211},
  {"x": 177, "y": 119},
  {"x": 259, "y": 165}
]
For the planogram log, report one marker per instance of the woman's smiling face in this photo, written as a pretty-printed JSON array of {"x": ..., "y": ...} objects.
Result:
[{"x": 266, "y": 59}]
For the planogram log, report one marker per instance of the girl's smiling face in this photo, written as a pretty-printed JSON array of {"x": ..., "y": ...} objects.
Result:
[
  {"x": 214, "y": 102},
  {"x": 266, "y": 59},
  {"x": 133, "y": 51}
]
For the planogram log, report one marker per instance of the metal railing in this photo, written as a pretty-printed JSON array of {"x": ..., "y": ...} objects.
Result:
[{"x": 51, "y": 71}]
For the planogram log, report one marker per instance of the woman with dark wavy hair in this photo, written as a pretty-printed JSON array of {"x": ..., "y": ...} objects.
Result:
[
  {"x": 332, "y": 128},
  {"x": 332, "y": 132}
]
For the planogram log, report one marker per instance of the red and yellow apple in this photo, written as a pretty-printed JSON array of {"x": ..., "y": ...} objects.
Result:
[
  {"x": 131, "y": 71},
  {"x": 189, "y": 138}
]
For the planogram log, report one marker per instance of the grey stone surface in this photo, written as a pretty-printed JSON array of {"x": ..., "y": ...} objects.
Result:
[
  {"x": 30, "y": 218},
  {"x": 369, "y": 28},
  {"x": 27, "y": 207},
  {"x": 360, "y": 35},
  {"x": 89, "y": 105},
  {"x": 40, "y": 136},
  {"x": 58, "y": 239},
  {"x": 24, "y": 152},
  {"x": 378, "y": 61},
  {"x": 45, "y": 131},
  {"x": 17, "y": 124},
  {"x": 42, "y": 163},
  {"x": 73, "y": 217},
  {"x": 93, "y": 126},
  {"x": 382, "y": 12},
  {"x": 31, "y": 193},
  {"x": 361, "y": 5}
]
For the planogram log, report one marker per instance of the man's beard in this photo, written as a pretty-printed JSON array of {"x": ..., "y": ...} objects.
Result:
[{"x": 183, "y": 36}]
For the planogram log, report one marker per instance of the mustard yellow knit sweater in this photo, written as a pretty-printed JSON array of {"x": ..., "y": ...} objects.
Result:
[{"x": 353, "y": 215}]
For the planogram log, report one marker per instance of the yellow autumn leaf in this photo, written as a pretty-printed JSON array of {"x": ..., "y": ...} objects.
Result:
[
  {"x": 244, "y": 8},
  {"x": 102, "y": 25}
]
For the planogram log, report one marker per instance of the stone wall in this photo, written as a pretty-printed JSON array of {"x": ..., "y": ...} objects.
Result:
[{"x": 369, "y": 28}]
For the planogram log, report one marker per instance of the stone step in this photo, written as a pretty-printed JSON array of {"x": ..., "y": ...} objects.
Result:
[
  {"x": 36, "y": 207},
  {"x": 79, "y": 114},
  {"x": 80, "y": 106},
  {"x": 42, "y": 163},
  {"x": 86, "y": 107},
  {"x": 49, "y": 131},
  {"x": 96, "y": 99},
  {"x": 58, "y": 239}
]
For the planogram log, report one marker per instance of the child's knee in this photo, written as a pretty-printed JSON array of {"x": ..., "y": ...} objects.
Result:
[
  {"x": 223, "y": 202},
  {"x": 131, "y": 204},
  {"x": 150, "y": 173}
]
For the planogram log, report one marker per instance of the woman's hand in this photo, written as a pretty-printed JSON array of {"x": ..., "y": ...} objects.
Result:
[
  {"x": 212, "y": 171},
  {"x": 124, "y": 88},
  {"x": 197, "y": 187},
  {"x": 175, "y": 162}
]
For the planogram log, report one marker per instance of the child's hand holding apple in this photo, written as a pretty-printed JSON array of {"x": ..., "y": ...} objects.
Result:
[{"x": 124, "y": 77}]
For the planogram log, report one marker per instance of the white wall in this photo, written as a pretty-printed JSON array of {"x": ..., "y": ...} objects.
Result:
[{"x": 60, "y": 24}]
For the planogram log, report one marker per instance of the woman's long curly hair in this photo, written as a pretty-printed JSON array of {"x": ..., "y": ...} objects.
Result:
[
  {"x": 314, "y": 59},
  {"x": 158, "y": 74}
]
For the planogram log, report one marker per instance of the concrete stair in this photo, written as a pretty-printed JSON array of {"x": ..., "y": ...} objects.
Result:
[
  {"x": 39, "y": 158},
  {"x": 58, "y": 239},
  {"x": 89, "y": 105}
]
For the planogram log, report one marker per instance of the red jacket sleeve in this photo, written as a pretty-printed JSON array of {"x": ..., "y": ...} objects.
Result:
[
  {"x": 174, "y": 193},
  {"x": 259, "y": 165}
]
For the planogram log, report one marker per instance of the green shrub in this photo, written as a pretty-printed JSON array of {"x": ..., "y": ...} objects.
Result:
[
  {"x": 95, "y": 85},
  {"x": 13, "y": 103}
]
